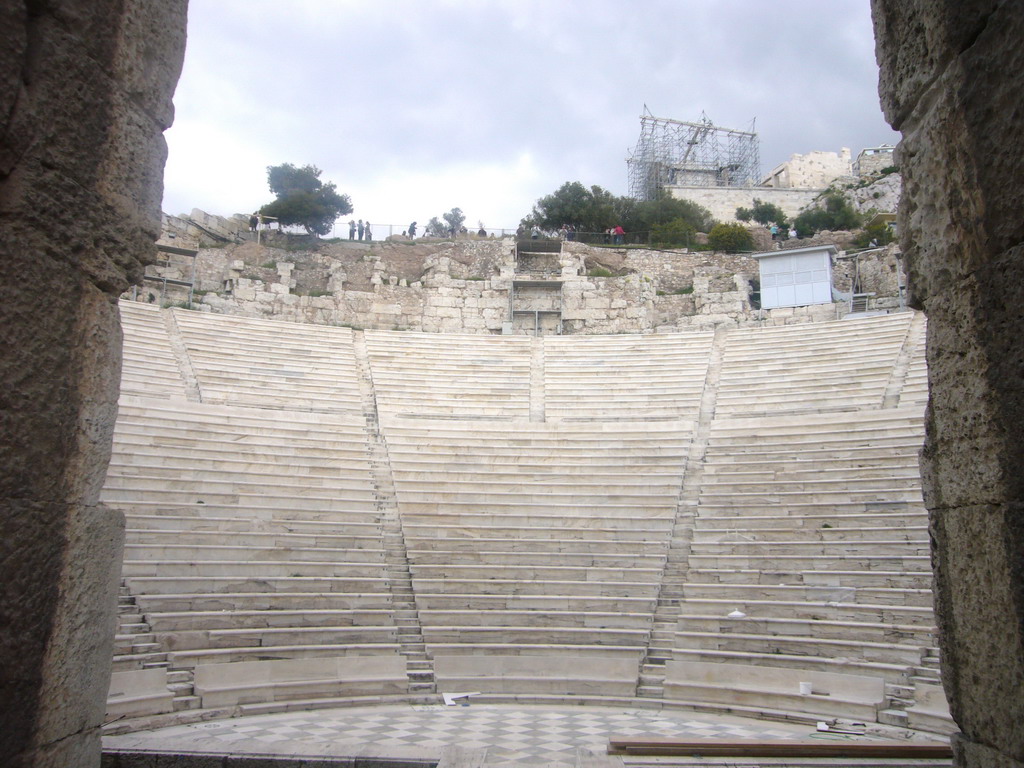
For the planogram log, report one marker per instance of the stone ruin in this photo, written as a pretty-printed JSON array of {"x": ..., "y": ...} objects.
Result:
[
  {"x": 86, "y": 97},
  {"x": 490, "y": 285}
]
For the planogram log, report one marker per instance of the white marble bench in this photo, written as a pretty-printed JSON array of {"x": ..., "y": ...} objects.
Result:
[
  {"x": 833, "y": 695},
  {"x": 222, "y": 685}
]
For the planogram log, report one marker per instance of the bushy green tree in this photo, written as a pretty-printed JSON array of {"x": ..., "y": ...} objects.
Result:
[
  {"x": 835, "y": 214},
  {"x": 874, "y": 234},
  {"x": 303, "y": 199},
  {"x": 675, "y": 232},
  {"x": 455, "y": 218},
  {"x": 763, "y": 213},
  {"x": 648, "y": 214},
  {"x": 730, "y": 237},
  {"x": 435, "y": 228},
  {"x": 596, "y": 209}
]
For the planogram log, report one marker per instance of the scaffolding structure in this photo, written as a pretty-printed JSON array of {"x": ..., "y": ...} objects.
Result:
[{"x": 672, "y": 153}]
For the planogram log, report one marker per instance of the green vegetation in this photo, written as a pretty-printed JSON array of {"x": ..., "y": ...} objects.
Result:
[
  {"x": 730, "y": 237},
  {"x": 303, "y": 199},
  {"x": 836, "y": 214},
  {"x": 454, "y": 219},
  {"x": 684, "y": 291},
  {"x": 600, "y": 272},
  {"x": 596, "y": 209},
  {"x": 269, "y": 265},
  {"x": 763, "y": 213},
  {"x": 675, "y": 232},
  {"x": 874, "y": 235}
]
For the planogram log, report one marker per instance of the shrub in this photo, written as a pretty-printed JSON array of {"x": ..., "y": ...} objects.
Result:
[
  {"x": 675, "y": 232},
  {"x": 837, "y": 213},
  {"x": 730, "y": 237},
  {"x": 763, "y": 213},
  {"x": 600, "y": 272}
]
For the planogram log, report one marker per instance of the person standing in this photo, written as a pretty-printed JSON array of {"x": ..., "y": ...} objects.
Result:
[
  {"x": 359, "y": 228},
  {"x": 619, "y": 232},
  {"x": 412, "y": 231},
  {"x": 352, "y": 229},
  {"x": 368, "y": 231}
]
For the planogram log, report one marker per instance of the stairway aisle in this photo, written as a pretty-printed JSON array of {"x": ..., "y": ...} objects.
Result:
[
  {"x": 537, "y": 379},
  {"x": 659, "y": 649},
  {"x": 188, "y": 372},
  {"x": 419, "y": 665}
]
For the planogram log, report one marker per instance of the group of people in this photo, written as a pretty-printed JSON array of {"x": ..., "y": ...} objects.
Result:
[
  {"x": 782, "y": 233},
  {"x": 359, "y": 230}
]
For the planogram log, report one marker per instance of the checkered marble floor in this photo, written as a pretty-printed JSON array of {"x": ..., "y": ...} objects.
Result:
[{"x": 548, "y": 736}]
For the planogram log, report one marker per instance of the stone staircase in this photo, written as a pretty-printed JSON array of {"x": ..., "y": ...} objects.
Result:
[
  {"x": 419, "y": 665},
  {"x": 135, "y": 645},
  {"x": 134, "y": 642},
  {"x": 898, "y": 375},
  {"x": 537, "y": 379},
  {"x": 185, "y": 367},
  {"x": 670, "y": 596}
]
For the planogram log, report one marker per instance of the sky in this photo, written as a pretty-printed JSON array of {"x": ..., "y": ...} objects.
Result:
[{"x": 414, "y": 107}]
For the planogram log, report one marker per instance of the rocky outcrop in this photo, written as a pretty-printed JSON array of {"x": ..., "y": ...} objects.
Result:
[
  {"x": 950, "y": 82},
  {"x": 84, "y": 98}
]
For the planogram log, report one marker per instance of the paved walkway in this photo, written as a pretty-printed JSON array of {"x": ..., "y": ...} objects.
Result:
[{"x": 548, "y": 736}]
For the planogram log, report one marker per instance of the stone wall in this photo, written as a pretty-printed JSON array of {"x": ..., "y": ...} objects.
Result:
[
  {"x": 950, "y": 82},
  {"x": 464, "y": 287},
  {"x": 873, "y": 160},
  {"x": 815, "y": 170},
  {"x": 723, "y": 201},
  {"x": 85, "y": 93}
]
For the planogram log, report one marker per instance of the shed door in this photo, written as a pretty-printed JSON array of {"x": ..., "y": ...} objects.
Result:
[{"x": 797, "y": 280}]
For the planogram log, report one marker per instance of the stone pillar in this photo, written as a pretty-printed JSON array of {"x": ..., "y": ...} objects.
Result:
[
  {"x": 951, "y": 82},
  {"x": 85, "y": 89}
]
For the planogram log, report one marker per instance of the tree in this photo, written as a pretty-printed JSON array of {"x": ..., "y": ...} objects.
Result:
[
  {"x": 303, "y": 199},
  {"x": 435, "y": 228},
  {"x": 589, "y": 210},
  {"x": 648, "y": 214},
  {"x": 836, "y": 214},
  {"x": 730, "y": 237},
  {"x": 596, "y": 209},
  {"x": 455, "y": 218},
  {"x": 675, "y": 232},
  {"x": 763, "y": 213}
]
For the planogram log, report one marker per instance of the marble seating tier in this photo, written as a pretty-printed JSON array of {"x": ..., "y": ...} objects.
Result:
[
  {"x": 422, "y": 374},
  {"x": 149, "y": 366},
  {"x": 528, "y": 518},
  {"x": 832, "y": 694},
  {"x": 270, "y": 364},
  {"x": 841, "y": 365},
  {"x": 614, "y": 378}
]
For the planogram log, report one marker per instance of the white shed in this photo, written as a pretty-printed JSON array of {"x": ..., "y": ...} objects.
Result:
[{"x": 797, "y": 277}]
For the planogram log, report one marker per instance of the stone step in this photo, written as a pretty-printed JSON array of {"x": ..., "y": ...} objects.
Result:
[
  {"x": 895, "y": 717},
  {"x": 181, "y": 690},
  {"x": 179, "y": 676},
  {"x": 186, "y": 702},
  {"x": 650, "y": 691}
]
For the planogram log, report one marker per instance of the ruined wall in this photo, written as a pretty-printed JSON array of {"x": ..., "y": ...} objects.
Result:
[
  {"x": 85, "y": 92},
  {"x": 873, "y": 160},
  {"x": 950, "y": 82},
  {"x": 815, "y": 170},
  {"x": 464, "y": 287}
]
